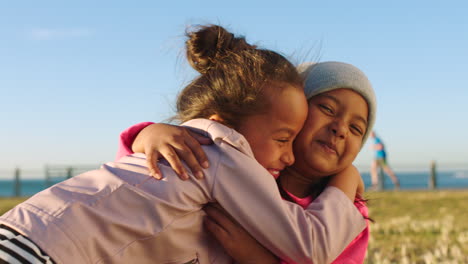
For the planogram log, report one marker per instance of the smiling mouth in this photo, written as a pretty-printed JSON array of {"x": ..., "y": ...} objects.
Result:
[
  {"x": 274, "y": 172},
  {"x": 328, "y": 147}
]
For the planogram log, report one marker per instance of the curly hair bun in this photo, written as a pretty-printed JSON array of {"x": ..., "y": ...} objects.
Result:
[{"x": 209, "y": 45}]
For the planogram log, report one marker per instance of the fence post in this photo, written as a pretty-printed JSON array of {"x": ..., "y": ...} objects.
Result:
[
  {"x": 69, "y": 172},
  {"x": 17, "y": 185},
  {"x": 47, "y": 176},
  {"x": 432, "y": 184}
]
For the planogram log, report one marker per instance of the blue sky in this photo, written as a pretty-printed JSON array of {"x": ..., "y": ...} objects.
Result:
[{"x": 75, "y": 74}]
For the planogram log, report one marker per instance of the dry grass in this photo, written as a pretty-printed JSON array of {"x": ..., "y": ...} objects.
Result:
[
  {"x": 8, "y": 203},
  {"x": 419, "y": 227}
]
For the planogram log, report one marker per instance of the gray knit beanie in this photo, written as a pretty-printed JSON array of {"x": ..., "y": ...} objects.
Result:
[{"x": 327, "y": 76}]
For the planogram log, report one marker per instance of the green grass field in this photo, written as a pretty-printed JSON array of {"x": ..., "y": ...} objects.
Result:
[{"x": 410, "y": 226}]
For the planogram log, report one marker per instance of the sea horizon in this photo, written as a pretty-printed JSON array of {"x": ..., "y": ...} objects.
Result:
[{"x": 409, "y": 180}]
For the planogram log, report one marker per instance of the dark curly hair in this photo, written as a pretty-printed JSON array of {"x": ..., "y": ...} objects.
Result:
[{"x": 232, "y": 76}]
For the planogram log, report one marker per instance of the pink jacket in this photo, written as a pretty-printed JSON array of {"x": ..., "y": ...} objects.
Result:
[{"x": 119, "y": 214}]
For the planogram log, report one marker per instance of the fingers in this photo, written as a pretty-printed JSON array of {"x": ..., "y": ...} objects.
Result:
[
  {"x": 217, "y": 231},
  {"x": 193, "y": 143},
  {"x": 174, "y": 161},
  {"x": 174, "y": 155},
  {"x": 216, "y": 213},
  {"x": 217, "y": 206},
  {"x": 185, "y": 153},
  {"x": 175, "y": 144},
  {"x": 201, "y": 139},
  {"x": 152, "y": 161},
  {"x": 188, "y": 150},
  {"x": 218, "y": 224}
]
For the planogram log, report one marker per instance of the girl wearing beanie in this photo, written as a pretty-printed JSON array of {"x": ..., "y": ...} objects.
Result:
[{"x": 342, "y": 110}]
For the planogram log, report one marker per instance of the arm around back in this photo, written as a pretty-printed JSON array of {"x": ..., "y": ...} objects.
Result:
[
  {"x": 315, "y": 235},
  {"x": 127, "y": 137}
]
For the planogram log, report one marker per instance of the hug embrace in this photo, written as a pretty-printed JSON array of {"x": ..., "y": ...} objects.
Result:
[{"x": 277, "y": 184}]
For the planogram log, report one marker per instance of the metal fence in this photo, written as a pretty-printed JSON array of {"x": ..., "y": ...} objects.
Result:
[{"x": 27, "y": 182}]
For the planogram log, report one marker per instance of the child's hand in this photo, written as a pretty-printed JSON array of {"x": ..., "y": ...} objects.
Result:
[
  {"x": 349, "y": 181},
  {"x": 174, "y": 144},
  {"x": 237, "y": 242}
]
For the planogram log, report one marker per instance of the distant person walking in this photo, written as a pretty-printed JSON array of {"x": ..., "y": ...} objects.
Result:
[{"x": 380, "y": 161}]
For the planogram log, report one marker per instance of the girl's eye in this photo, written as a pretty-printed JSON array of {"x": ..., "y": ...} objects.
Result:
[
  {"x": 326, "y": 109},
  {"x": 357, "y": 130},
  {"x": 283, "y": 141}
]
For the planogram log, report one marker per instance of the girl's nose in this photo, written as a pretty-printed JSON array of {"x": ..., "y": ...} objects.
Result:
[{"x": 339, "y": 128}]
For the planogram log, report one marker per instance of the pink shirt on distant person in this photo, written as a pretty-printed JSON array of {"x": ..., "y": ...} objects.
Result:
[{"x": 355, "y": 252}]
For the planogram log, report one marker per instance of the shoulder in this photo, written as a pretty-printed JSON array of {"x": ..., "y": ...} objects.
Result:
[
  {"x": 235, "y": 169},
  {"x": 220, "y": 134}
]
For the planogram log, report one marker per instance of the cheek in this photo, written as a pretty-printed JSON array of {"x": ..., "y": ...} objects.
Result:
[
  {"x": 303, "y": 149},
  {"x": 299, "y": 151},
  {"x": 298, "y": 145},
  {"x": 352, "y": 151},
  {"x": 312, "y": 124},
  {"x": 305, "y": 136},
  {"x": 263, "y": 153}
]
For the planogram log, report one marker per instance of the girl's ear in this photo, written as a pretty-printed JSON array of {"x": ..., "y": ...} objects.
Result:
[
  {"x": 219, "y": 119},
  {"x": 216, "y": 118}
]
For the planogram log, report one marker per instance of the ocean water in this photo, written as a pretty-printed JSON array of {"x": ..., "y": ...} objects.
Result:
[
  {"x": 414, "y": 180},
  {"x": 456, "y": 179}
]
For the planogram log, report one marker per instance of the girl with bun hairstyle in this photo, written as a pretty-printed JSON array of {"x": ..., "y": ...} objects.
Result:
[{"x": 250, "y": 103}]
